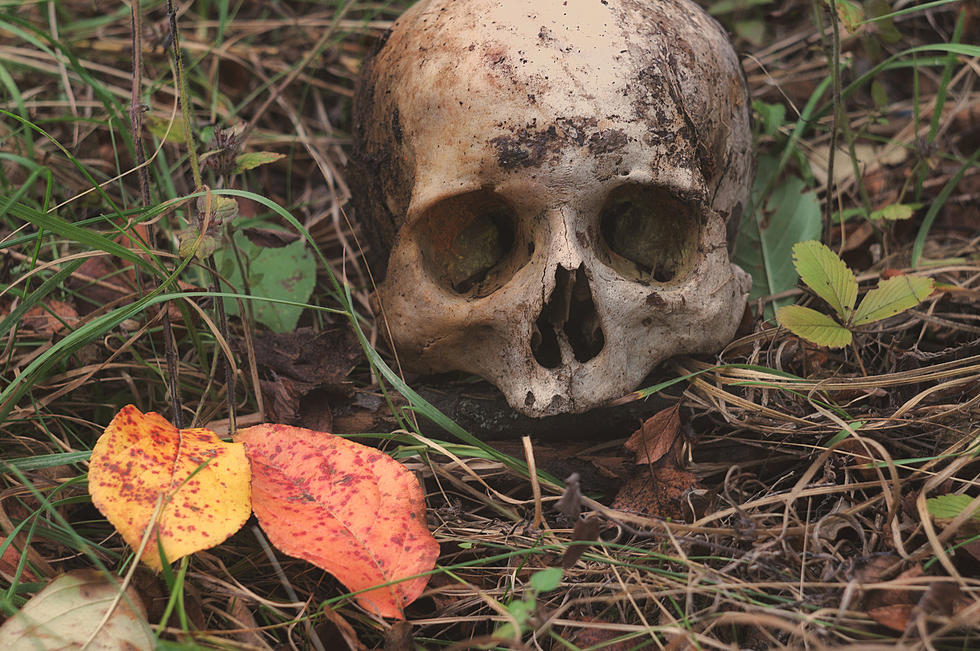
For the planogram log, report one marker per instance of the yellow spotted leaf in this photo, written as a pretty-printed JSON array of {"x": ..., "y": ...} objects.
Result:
[
  {"x": 347, "y": 508},
  {"x": 813, "y": 326},
  {"x": 200, "y": 482}
]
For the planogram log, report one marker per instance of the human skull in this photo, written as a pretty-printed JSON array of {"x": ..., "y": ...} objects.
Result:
[{"x": 549, "y": 189}]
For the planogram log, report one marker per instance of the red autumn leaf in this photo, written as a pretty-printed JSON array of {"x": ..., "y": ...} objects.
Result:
[
  {"x": 655, "y": 438},
  {"x": 345, "y": 507},
  {"x": 200, "y": 482}
]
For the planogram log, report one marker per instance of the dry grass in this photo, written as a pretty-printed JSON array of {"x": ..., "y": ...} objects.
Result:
[{"x": 800, "y": 537}]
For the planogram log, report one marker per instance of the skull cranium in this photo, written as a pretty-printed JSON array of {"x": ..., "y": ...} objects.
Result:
[{"x": 549, "y": 190}]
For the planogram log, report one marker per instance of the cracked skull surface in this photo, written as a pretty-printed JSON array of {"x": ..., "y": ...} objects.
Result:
[{"x": 549, "y": 189}]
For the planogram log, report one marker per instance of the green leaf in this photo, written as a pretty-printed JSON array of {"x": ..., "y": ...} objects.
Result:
[
  {"x": 771, "y": 116},
  {"x": 896, "y": 211},
  {"x": 546, "y": 580},
  {"x": 879, "y": 94},
  {"x": 884, "y": 28},
  {"x": 892, "y": 296},
  {"x": 752, "y": 30},
  {"x": 764, "y": 244},
  {"x": 827, "y": 275},
  {"x": 253, "y": 159},
  {"x": 947, "y": 507},
  {"x": 851, "y": 14},
  {"x": 286, "y": 273},
  {"x": 813, "y": 326},
  {"x": 159, "y": 126}
]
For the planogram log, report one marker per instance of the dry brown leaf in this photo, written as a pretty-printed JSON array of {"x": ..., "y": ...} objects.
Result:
[
  {"x": 585, "y": 529},
  {"x": 656, "y": 436},
  {"x": 895, "y": 617},
  {"x": 662, "y": 491},
  {"x": 50, "y": 318}
]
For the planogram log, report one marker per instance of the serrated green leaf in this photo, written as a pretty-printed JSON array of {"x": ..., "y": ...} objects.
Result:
[
  {"x": 827, "y": 275},
  {"x": 253, "y": 159},
  {"x": 947, "y": 507},
  {"x": 765, "y": 240},
  {"x": 890, "y": 297},
  {"x": 896, "y": 211},
  {"x": 813, "y": 326}
]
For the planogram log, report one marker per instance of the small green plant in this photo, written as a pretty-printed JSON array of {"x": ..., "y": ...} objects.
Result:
[
  {"x": 830, "y": 279},
  {"x": 523, "y": 610}
]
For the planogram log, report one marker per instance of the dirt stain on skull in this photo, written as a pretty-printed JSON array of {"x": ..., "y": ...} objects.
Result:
[
  {"x": 530, "y": 146},
  {"x": 526, "y": 148}
]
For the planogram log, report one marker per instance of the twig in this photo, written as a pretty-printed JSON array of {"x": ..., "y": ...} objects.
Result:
[{"x": 136, "y": 120}]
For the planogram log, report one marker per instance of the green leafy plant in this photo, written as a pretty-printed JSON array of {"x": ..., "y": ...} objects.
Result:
[
  {"x": 830, "y": 279},
  {"x": 522, "y": 610}
]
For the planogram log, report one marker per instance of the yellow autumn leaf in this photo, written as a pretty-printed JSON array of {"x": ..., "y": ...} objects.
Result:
[{"x": 201, "y": 482}]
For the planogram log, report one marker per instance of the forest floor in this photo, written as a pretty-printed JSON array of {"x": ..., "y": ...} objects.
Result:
[{"x": 801, "y": 496}]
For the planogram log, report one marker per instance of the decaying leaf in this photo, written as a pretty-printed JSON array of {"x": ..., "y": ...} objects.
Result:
[
  {"x": 893, "y": 616},
  {"x": 50, "y": 318},
  {"x": 662, "y": 491},
  {"x": 200, "y": 482},
  {"x": 586, "y": 529},
  {"x": 69, "y": 612},
  {"x": 345, "y": 507},
  {"x": 657, "y": 435}
]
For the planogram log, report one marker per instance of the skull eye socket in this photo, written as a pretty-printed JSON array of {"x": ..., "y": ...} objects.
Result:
[
  {"x": 651, "y": 235},
  {"x": 467, "y": 242}
]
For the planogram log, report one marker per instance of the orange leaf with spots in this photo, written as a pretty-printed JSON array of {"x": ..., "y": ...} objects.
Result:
[
  {"x": 345, "y": 507},
  {"x": 188, "y": 487}
]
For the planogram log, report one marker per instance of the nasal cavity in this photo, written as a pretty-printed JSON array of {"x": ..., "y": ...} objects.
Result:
[{"x": 570, "y": 316}]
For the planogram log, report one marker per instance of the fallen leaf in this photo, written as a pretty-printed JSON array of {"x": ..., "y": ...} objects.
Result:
[
  {"x": 890, "y": 607},
  {"x": 336, "y": 633},
  {"x": 585, "y": 529},
  {"x": 895, "y": 616},
  {"x": 591, "y": 633},
  {"x": 72, "y": 609},
  {"x": 399, "y": 637},
  {"x": 345, "y": 507},
  {"x": 203, "y": 483},
  {"x": 662, "y": 490},
  {"x": 49, "y": 319},
  {"x": 655, "y": 438},
  {"x": 10, "y": 560}
]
